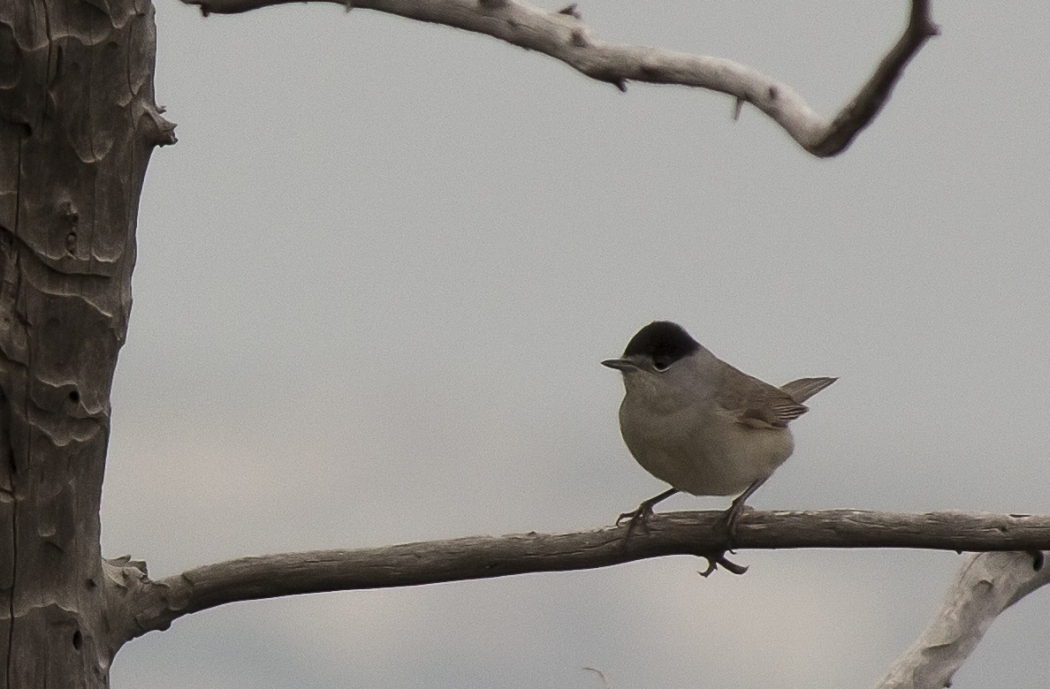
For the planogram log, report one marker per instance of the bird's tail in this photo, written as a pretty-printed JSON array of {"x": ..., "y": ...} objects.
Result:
[{"x": 804, "y": 388}]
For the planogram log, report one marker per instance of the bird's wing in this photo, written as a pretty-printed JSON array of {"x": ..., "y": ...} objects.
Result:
[{"x": 753, "y": 403}]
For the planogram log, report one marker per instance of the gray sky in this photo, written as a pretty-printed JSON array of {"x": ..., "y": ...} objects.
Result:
[{"x": 378, "y": 272}]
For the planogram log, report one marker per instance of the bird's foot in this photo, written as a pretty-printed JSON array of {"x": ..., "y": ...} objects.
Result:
[
  {"x": 727, "y": 524},
  {"x": 639, "y": 518},
  {"x": 729, "y": 521},
  {"x": 716, "y": 559},
  {"x": 641, "y": 514}
]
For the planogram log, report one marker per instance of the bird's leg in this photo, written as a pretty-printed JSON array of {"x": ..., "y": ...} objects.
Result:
[
  {"x": 640, "y": 517},
  {"x": 728, "y": 522},
  {"x": 732, "y": 515}
]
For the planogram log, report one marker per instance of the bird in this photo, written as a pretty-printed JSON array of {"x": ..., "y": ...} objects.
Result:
[{"x": 699, "y": 424}]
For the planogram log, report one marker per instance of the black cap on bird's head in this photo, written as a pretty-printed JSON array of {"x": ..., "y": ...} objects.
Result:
[{"x": 663, "y": 342}]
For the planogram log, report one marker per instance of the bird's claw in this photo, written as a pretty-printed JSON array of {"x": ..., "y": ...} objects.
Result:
[
  {"x": 716, "y": 559},
  {"x": 638, "y": 518},
  {"x": 728, "y": 524}
]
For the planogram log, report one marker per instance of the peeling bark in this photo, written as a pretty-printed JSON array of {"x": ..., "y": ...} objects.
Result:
[{"x": 77, "y": 125}]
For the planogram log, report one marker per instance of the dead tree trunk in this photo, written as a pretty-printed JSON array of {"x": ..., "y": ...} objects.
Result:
[{"x": 77, "y": 125}]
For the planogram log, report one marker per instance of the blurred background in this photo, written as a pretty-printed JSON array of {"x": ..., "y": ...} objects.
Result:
[{"x": 378, "y": 272}]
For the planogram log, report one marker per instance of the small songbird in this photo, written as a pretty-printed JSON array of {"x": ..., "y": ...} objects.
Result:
[{"x": 694, "y": 421}]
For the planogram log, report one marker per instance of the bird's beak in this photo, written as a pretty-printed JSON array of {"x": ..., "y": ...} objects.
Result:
[{"x": 620, "y": 364}]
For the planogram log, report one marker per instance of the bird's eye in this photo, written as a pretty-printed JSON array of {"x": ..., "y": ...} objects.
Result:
[{"x": 661, "y": 363}]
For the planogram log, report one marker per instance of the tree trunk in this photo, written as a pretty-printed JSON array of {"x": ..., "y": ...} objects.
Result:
[{"x": 77, "y": 125}]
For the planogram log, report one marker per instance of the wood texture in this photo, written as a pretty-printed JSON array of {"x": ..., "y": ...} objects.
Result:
[
  {"x": 985, "y": 585},
  {"x": 77, "y": 124},
  {"x": 155, "y": 604}
]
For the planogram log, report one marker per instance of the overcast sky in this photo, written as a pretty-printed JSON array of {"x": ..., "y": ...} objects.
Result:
[{"x": 378, "y": 272}]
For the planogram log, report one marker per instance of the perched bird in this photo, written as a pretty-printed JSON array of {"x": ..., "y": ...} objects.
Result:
[{"x": 694, "y": 421}]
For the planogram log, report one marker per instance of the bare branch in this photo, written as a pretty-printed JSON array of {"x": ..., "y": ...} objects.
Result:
[
  {"x": 984, "y": 586},
  {"x": 561, "y": 35},
  {"x": 860, "y": 111},
  {"x": 151, "y": 605}
]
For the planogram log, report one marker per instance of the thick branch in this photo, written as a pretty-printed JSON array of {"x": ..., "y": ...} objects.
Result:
[
  {"x": 563, "y": 36},
  {"x": 152, "y": 605},
  {"x": 983, "y": 587}
]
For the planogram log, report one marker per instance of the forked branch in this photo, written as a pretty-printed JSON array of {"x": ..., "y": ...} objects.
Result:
[
  {"x": 984, "y": 586},
  {"x": 563, "y": 36}
]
